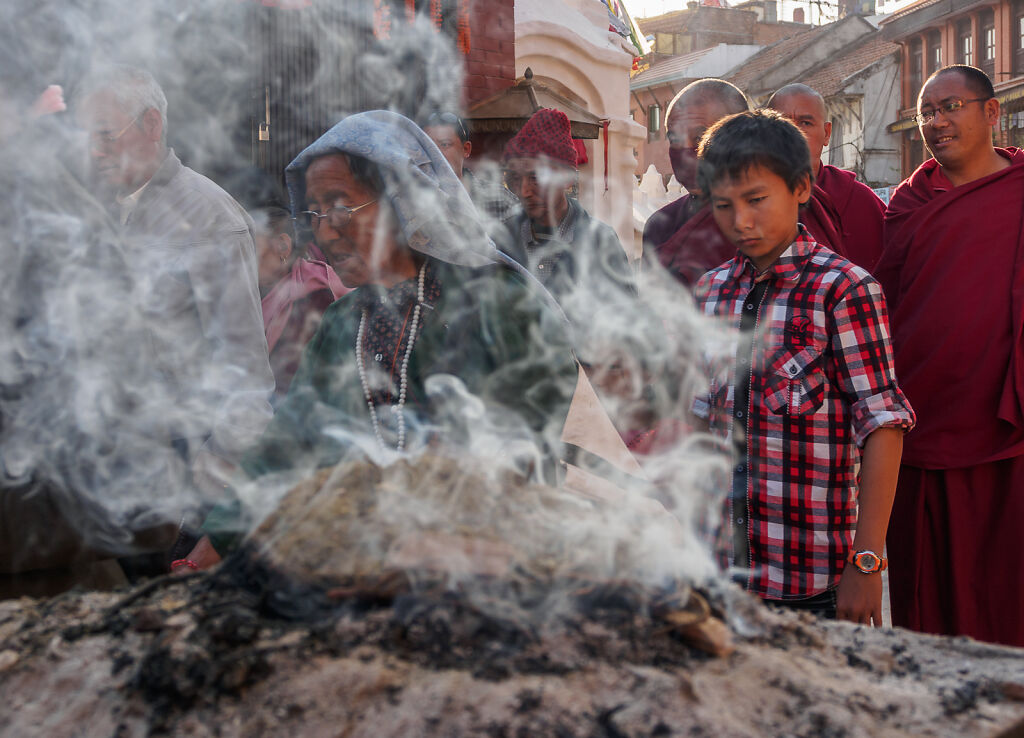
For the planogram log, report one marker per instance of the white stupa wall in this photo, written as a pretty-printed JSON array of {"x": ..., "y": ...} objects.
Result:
[{"x": 568, "y": 41}]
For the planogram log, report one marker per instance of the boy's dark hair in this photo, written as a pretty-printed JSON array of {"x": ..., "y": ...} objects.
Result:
[
  {"x": 978, "y": 82},
  {"x": 755, "y": 138}
]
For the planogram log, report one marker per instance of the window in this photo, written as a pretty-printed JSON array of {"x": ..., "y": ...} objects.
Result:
[
  {"x": 835, "y": 144},
  {"x": 1015, "y": 127},
  {"x": 965, "y": 43},
  {"x": 653, "y": 122},
  {"x": 915, "y": 151},
  {"x": 1018, "y": 37},
  {"x": 987, "y": 26},
  {"x": 914, "y": 70},
  {"x": 934, "y": 60},
  {"x": 798, "y": 15}
]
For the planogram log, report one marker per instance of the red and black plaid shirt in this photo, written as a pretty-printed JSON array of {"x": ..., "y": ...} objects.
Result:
[{"x": 814, "y": 366}]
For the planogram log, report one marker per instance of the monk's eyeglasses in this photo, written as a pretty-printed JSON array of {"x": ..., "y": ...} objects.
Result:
[
  {"x": 338, "y": 214},
  {"x": 947, "y": 109}
]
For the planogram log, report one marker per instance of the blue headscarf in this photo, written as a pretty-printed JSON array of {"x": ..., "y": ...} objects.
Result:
[{"x": 432, "y": 207}]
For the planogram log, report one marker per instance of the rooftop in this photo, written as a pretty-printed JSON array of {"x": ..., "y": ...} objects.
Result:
[
  {"x": 771, "y": 56},
  {"x": 714, "y": 62},
  {"x": 830, "y": 79},
  {"x": 823, "y": 57}
]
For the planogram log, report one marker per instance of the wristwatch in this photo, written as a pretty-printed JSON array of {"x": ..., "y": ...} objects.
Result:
[{"x": 867, "y": 561}]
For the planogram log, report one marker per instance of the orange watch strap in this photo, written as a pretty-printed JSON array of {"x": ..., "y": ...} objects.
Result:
[{"x": 854, "y": 556}]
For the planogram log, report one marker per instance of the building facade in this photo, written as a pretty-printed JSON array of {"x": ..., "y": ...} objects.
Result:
[
  {"x": 569, "y": 47},
  {"x": 856, "y": 72},
  {"x": 701, "y": 41},
  {"x": 652, "y": 90},
  {"x": 988, "y": 34}
]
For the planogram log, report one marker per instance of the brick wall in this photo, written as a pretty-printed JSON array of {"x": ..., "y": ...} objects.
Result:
[{"x": 490, "y": 64}]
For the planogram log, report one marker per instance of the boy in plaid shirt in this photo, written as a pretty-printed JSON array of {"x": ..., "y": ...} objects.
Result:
[{"x": 811, "y": 405}]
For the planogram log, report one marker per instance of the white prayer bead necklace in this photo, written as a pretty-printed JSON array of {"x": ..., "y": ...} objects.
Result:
[{"x": 403, "y": 375}]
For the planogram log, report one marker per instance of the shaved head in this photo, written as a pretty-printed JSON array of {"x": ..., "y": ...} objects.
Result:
[
  {"x": 711, "y": 91},
  {"x": 805, "y": 107},
  {"x": 976, "y": 80},
  {"x": 796, "y": 89},
  {"x": 696, "y": 108}
]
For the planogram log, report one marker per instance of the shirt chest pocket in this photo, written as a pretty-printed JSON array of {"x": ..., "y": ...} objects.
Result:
[{"x": 794, "y": 382}]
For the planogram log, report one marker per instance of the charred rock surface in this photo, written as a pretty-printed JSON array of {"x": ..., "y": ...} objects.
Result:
[
  {"x": 335, "y": 620},
  {"x": 202, "y": 655}
]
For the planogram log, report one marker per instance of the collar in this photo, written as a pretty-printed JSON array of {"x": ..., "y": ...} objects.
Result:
[
  {"x": 401, "y": 295},
  {"x": 127, "y": 203},
  {"x": 786, "y": 269},
  {"x": 564, "y": 232},
  {"x": 167, "y": 170},
  {"x": 940, "y": 181},
  {"x": 169, "y": 167}
]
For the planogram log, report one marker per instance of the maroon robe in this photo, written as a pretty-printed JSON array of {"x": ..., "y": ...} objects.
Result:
[
  {"x": 686, "y": 240},
  {"x": 846, "y": 216},
  {"x": 954, "y": 279},
  {"x": 842, "y": 214}
]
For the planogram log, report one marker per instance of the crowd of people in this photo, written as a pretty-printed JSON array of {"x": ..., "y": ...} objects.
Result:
[{"x": 394, "y": 300}]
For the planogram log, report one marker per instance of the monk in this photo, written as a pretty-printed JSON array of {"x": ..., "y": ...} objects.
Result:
[
  {"x": 953, "y": 275},
  {"x": 843, "y": 214},
  {"x": 683, "y": 235}
]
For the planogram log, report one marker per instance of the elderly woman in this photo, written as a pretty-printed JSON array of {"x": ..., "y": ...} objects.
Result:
[{"x": 439, "y": 342}]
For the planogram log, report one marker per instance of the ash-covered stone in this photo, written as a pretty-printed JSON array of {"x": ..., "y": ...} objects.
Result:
[{"x": 271, "y": 644}]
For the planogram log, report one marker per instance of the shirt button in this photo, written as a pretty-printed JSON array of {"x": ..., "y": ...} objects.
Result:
[
  {"x": 749, "y": 306},
  {"x": 540, "y": 266},
  {"x": 740, "y": 468},
  {"x": 739, "y": 413},
  {"x": 739, "y": 521},
  {"x": 792, "y": 370},
  {"x": 744, "y": 360},
  {"x": 378, "y": 357}
]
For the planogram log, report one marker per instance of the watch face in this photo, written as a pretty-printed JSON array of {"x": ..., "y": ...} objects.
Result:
[{"x": 867, "y": 561}]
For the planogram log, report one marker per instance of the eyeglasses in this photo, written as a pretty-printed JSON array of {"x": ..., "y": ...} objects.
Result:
[
  {"x": 339, "y": 215},
  {"x": 946, "y": 109},
  {"x": 103, "y": 138}
]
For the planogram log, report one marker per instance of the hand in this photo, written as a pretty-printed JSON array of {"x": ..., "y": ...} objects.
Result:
[
  {"x": 51, "y": 101},
  {"x": 859, "y": 597}
]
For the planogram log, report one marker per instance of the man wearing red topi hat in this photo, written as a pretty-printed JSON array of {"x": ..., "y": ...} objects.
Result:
[{"x": 578, "y": 258}]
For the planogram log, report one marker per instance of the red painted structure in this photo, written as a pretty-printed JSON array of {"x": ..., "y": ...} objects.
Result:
[{"x": 490, "y": 61}]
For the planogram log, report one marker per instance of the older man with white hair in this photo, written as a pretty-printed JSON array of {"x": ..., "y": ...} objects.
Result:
[{"x": 191, "y": 249}]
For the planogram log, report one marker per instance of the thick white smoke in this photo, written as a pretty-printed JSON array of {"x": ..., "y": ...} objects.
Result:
[{"x": 86, "y": 412}]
